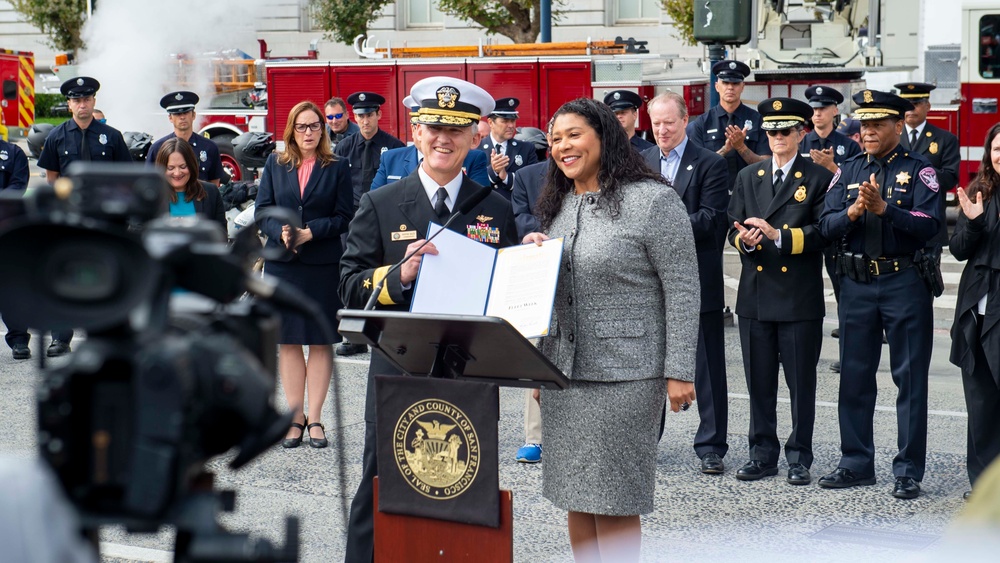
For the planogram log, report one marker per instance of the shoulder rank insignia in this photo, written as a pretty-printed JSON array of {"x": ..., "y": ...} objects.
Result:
[
  {"x": 933, "y": 148},
  {"x": 903, "y": 178},
  {"x": 483, "y": 218},
  {"x": 800, "y": 194},
  {"x": 367, "y": 283}
]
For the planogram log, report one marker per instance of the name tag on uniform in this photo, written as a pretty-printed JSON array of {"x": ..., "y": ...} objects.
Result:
[
  {"x": 853, "y": 186},
  {"x": 394, "y": 177},
  {"x": 712, "y": 131},
  {"x": 404, "y": 235}
]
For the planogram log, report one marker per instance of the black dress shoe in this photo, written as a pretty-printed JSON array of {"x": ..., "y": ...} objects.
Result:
[
  {"x": 906, "y": 488},
  {"x": 57, "y": 348},
  {"x": 842, "y": 478},
  {"x": 835, "y": 332},
  {"x": 348, "y": 349},
  {"x": 317, "y": 442},
  {"x": 20, "y": 352},
  {"x": 835, "y": 367},
  {"x": 711, "y": 464},
  {"x": 966, "y": 495},
  {"x": 798, "y": 474},
  {"x": 294, "y": 442},
  {"x": 754, "y": 470}
]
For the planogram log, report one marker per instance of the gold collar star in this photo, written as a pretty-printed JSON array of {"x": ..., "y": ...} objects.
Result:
[
  {"x": 903, "y": 178},
  {"x": 367, "y": 283}
]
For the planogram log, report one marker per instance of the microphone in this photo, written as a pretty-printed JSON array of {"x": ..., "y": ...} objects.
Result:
[{"x": 464, "y": 208}]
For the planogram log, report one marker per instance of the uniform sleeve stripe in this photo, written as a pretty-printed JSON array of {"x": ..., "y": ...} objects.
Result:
[
  {"x": 920, "y": 214},
  {"x": 377, "y": 276},
  {"x": 798, "y": 241}
]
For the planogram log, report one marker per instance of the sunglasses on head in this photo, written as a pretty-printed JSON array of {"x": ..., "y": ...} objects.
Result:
[
  {"x": 782, "y": 132},
  {"x": 332, "y": 116}
]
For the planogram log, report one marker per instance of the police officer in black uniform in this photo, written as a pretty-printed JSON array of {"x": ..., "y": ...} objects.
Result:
[
  {"x": 507, "y": 155},
  {"x": 80, "y": 138},
  {"x": 883, "y": 205},
  {"x": 180, "y": 112},
  {"x": 731, "y": 128},
  {"x": 625, "y": 104},
  {"x": 433, "y": 192},
  {"x": 775, "y": 211},
  {"x": 364, "y": 149},
  {"x": 938, "y": 146},
  {"x": 828, "y": 148},
  {"x": 14, "y": 176}
]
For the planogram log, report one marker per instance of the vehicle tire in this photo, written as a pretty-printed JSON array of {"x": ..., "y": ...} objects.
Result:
[{"x": 230, "y": 165}]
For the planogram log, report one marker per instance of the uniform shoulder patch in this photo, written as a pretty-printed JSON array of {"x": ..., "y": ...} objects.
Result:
[
  {"x": 833, "y": 182},
  {"x": 929, "y": 177}
]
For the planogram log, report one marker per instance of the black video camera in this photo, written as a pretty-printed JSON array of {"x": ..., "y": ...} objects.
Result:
[{"x": 176, "y": 368}]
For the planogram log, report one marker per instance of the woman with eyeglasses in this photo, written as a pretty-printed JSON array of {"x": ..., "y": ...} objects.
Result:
[
  {"x": 308, "y": 180},
  {"x": 188, "y": 194}
]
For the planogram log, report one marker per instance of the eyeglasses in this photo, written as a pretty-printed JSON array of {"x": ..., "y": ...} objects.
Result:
[
  {"x": 314, "y": 126},
  {"x": 332, "y": 116},
  {"x": 776, "y": 132}
]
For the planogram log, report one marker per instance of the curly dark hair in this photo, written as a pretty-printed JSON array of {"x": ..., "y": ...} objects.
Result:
[
  {"x": 620, "y": 163},
  {"x": 987, "y": 180}
]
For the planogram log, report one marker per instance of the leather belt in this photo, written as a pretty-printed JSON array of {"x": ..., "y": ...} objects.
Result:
[{"x": 889, "y": 265}]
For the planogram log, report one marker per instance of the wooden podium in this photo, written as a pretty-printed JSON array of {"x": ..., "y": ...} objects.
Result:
[
  {"x": 470, "y": 348},
  {"x": 418, "y": 540}
]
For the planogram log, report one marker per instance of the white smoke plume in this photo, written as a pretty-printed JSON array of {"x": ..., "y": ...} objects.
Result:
[{"x": 133, "y": 48}]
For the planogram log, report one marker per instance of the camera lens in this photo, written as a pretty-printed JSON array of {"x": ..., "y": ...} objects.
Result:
[{"x": 77, "y": 272}]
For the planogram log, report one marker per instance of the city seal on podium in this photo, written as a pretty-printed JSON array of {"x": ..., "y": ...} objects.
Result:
[{"x": 437, "y": 449}]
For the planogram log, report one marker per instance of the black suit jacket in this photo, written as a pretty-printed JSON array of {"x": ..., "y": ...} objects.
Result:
[
  {"x": 702, "y": 182},
  {"x": 941, "y": 148},
  {"x": 781, "y": 284},
  {"x": 211, "y": 206},
  {"x": 527, "y": 187},
  {"x": 326, "y": 207}
]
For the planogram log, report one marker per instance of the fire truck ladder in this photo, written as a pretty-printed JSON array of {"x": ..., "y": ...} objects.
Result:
[{"x": 617, "y": 47}]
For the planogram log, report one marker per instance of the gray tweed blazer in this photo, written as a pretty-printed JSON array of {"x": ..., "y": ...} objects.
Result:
[{"x": 627, "y": 303}]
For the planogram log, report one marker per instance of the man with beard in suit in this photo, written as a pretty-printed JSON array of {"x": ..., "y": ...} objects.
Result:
[
  {"x": 380, "y": 235},
  {"x": 775, "y": 210},
  {"x": 700, "y": 177}
]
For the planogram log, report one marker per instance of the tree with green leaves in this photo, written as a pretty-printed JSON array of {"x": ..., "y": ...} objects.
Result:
[
  {"x": 519, "y": 20},
  {"x": 61, "y": 20},
  {"x": 682, "y": 14}
]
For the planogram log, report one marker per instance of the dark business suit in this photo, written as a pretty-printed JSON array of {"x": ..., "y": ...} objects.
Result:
[
  {"x": 975, "y": 339},
  {"x": 701, "y": 181},
  {"x": 527, "y": 187},
  {"x": 396, "y": 164},
  {"x": 941, "y": 148},
  {"x": 521, "y": 154},
  {"x": 371, "y": 249},
  {"x": 780, "y": 301}
]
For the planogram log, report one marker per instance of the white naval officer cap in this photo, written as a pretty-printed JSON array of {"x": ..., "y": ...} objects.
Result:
[{"x": 445, "y": 100}]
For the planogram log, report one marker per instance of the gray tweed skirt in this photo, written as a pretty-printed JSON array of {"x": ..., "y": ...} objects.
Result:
[{"x": 600, "y": 444}]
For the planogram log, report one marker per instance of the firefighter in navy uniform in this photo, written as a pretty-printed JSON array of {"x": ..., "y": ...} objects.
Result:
[
  {"x": 883, "y": 206},
  {"x": 938, "y": 146},
  {"x": 80, "y": 138},
  {"x": 364, "y": 149},
  {"x": 829, "y": 148},
  {"x": 392, "y": 221},
  {"x": 180, "y": 112},
  {"x": 626, "y": 105},
  {"x": 507, "y": 155},
  {"x": 731, "y": 128},
  {"x": 774, "y": 212}
]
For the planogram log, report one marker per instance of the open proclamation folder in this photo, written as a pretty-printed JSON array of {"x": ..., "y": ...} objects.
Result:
[{"x": 467, "y": 277}]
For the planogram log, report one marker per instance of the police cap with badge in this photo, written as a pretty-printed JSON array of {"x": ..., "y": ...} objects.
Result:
[
  {"x": 915, "y": 91},
  {"x": 450, "y": 101},
  {"x": 873, "y": 105},
  {"x": 731, "y": 71},
  {"x": 620, "y": 100},
  {"x": 80, "y": 87},
  {"x": 783, "y": 113},
  {"x": 179, "y": 102},
  {"x": 823, "y": 96},
  {"x": 506, "y": 108},
  {"x": 365, "y": 102}
]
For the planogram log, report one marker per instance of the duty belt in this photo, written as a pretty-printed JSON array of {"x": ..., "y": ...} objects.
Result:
[
  {"x": 888, "y": 265},
  {"x": 861, "y": 268}
]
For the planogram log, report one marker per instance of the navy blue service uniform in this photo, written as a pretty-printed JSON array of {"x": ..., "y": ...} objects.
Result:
[
  {"x": 520, "y": 153},
  {"x": 353, "y": 148},
  {"x": 62, "y": 146},
  {"x": 882, "y": 291},
  {"x": 780, "y": 296},
  {"x": 14, "y": 176},
  {"x": 627, "y": 101},
  {"x": 844, "y": 147},
  {"x": 205, "y": 149}
]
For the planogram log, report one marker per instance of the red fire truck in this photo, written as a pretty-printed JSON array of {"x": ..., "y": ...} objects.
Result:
[
  {"x": 17, "y": 80},
  {"x": 980, "y": 84}
]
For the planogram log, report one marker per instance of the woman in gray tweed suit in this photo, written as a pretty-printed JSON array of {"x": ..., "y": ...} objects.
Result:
[{"x": 627, "y": 310}]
